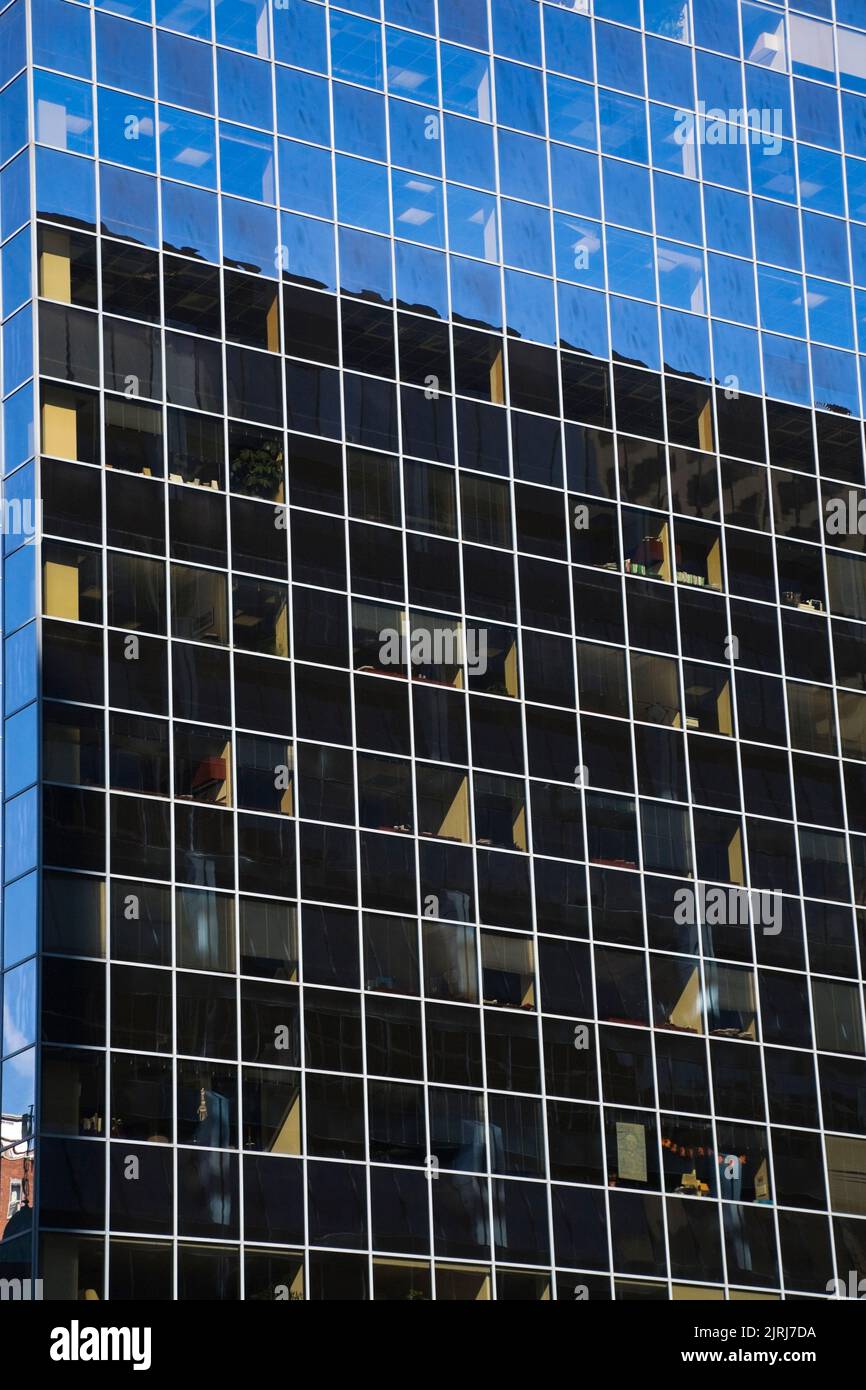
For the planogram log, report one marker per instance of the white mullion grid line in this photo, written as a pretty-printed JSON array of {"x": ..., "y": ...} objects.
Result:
[
  {"x": 449, "y": 323},
  {"x": 784, "y": 688},
  {"x": 578, "y": 735},
  {"x": 700, "y": 926},
  {"x": 106, "y": 726},
  {"x": 608, "y": 368},
  {"x": 355, "y": 787},
  {"x": 392, "y": 262},
  {"x": 170, "y": 650},
  {"x": 298, "y": 1071},
  {"x": 861, "y": 963},
  {"x": 639, "y": 801},
  {"x": 834, "y": 693},
  {"x": 506, "y": 387},
  {"x": 30, "y": 154}
]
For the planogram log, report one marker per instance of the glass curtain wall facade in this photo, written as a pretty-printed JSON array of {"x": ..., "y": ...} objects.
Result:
[{"x": 434, "y": 649}]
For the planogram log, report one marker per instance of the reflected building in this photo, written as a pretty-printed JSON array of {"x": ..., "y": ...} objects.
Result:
[{"x": 434, "y": 648}]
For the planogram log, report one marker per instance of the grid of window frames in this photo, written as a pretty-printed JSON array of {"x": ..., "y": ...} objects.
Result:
[{"x": 440, "y": 406}]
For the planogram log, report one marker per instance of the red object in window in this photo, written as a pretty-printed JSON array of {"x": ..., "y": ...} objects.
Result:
[{"x": 208, "y": 771}]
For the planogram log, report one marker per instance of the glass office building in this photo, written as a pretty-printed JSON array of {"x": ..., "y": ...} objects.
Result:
[{"x": 434, "y": 648}]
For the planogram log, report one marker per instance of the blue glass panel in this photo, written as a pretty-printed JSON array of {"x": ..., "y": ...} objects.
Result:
[
  {"x": 14, "y": 123},
  {"x": 773, "y": 174},
  {"x": 356, "y": 50},
  {"x": 522, "y": 166},
  {"x": 415, "y": 14},
  {"x": 720, "y": 84},
  {"x": 21, "y": 834},
  {"x": 854, "y": 124},
  {"x": 243, "y": 24},
  {"x": 17, "y": 349},
  {"x": 571, "y": 112},
  {"x": 124, "y": 54},
  {"x": 673, "y": 142},
  {"x": 627, "y": 194},
  {"x": 419, "y": 214},
  {"x": 568, "y": 42},
  {"x": 472, "y": 227},
  {"x": 716, "y": 25},
  {"x": 302, "y": 106},
  {"x": 782, "y": 301},
  {"x": 128, "y": 204},
  {"x": 582, "y": 320},
  {"x": 299, "y": 34},
  {"x": 858, "y": 253},
  {"x": 630, "y": 263},
  {"x": 821, "y": 181},
  {"x": 362, "y": 193},
  {"x": 669, "y": 73},
  {"x": 309, "y": 250},
  {"x": 723, "y": 163},
  {"x": 416, "y": 136},
  {"x": 247, "y": 163},
  {"x": 529, "y": 311},
  {"x": 190, "y": 221},
  {"x": 250, "y": 237},
  {"x": 825, "y": 246},
  {"x": 18, "y": 427},
  {"x": 130, "y": 9},
  {"x": 476, "y": 293},
  {"x": 20, "y": 517},
  {"x": 526, "y": 237},
  {"x": 634, "y": 332},
  {"x": 13, "y": 41},
  {"x": 855, "y": 174},
  {"x": 681, "y": 276},
  {"x": 574, "y": 174},
  {"x": 830, "y": 317},
  {"x": 422, "y": 279},
  {"x": 19, "y": 1005},
  {"x": 64, "y": 112},
  {"x": 732, "y": 288},
  {"x": 736, "y": 359},
  {"x": 728, "y": 222},
  {"x": 786, "y": 369},
  {"x": 817, "y": 114},
  {"x": 187, "y": 147},
  {"x": 305, "y": 178},
  {"x": 686, "y": 344},
  {"x": 185, "y": 71},
  {"x": 20, "y": 671},
  {"x": 61, "y": 36},
  {"x": 619, "y": 58},
  {"x": 678, "y": 208},
  {"x": 465, "y": 82},
  {"x": 19, "y": 596},
  {"x": 365, "y": 265},
  {"x": 579, "y": 254},
  {"x": 20, "y": 751},
  {"x": 463, "y": 23},
  {"x": 668, "y": 17},
  {"x": 20, "y": 929},
  {"x": 244, "y": 86},
  {"x": 16, "y": 271},
  {"x": 15, "y": 194},
  {"x": 411, "y": 66},
  {"x": 768, "y": 98},
  {"x": 516, "y": 32},
  {"x": 519, "y": 97},
  {"x": 359, "y": 122},
  {"x": 777, "y": 234},
  {"x": 834, "y": 377},
  {"x": 469, "y": 152},
  {"x": 126, "y": 130}
]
